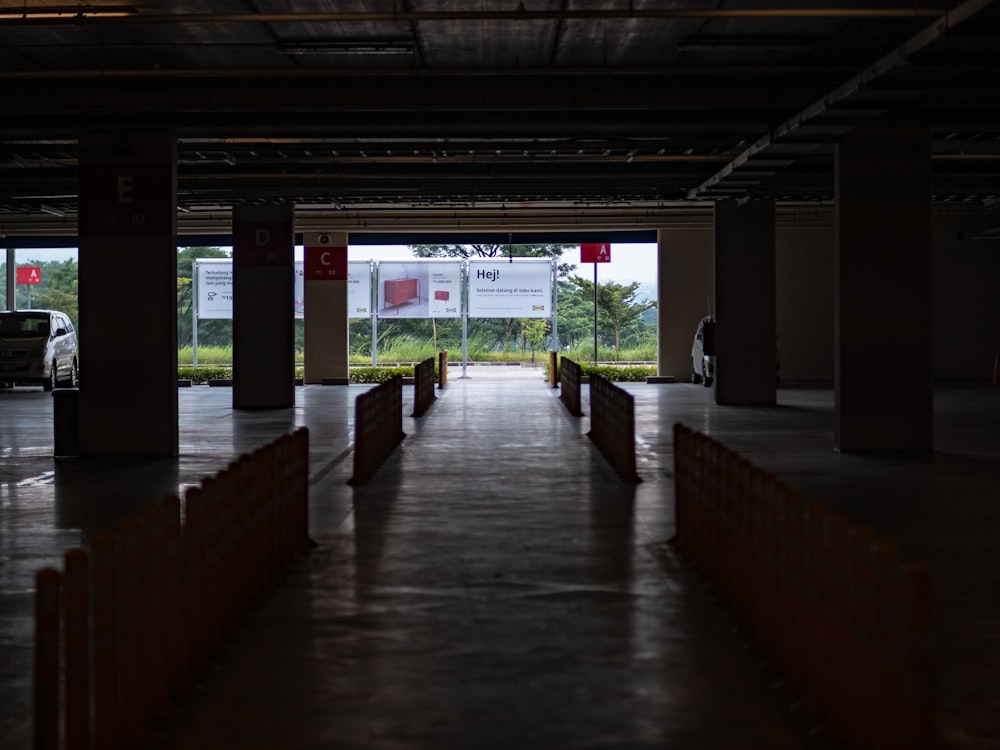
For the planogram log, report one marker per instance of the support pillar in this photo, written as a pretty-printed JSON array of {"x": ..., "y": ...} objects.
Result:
[
  {"x": 326, "y": 323},
  {"x": 128, "y": 295},
  {"x": 883, "y": 376},
  {"x": 11, "y": 280},
  {"x": 263, "y": 307},
  {"x": 685, "y": 294},
  {"x": 745, "y": 282}
]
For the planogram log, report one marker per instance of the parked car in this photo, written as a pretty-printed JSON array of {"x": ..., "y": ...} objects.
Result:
[
  {"x": 38, "y": 347},
  {"x": 703, "y": 352}
]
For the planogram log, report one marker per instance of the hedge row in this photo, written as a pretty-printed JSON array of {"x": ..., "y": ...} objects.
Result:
[
  {"x": 201, "y": 375},
  {"x": 614, "y": 373}
]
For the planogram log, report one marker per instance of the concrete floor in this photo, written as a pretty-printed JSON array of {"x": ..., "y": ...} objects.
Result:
[{"x": 497, "y": 586}]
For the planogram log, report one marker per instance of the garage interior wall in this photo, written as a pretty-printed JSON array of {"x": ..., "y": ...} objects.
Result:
[
  {"x": 804, "y": 271},
  {"x": 965, "y": 303},
  {"x": 686, "y": 287}
]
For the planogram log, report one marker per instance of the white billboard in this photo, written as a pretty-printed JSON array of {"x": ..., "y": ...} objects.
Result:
[
  {"x": 420, "y": 289},
  {"x": 359, "y": 289},
  {"x": 518, "y": 288},
  {"x": 214, "y": 279}
]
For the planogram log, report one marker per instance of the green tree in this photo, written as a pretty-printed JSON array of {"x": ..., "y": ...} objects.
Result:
[
  {"x": 617, "y": 305},
  {"x": 533, "y": 331}
]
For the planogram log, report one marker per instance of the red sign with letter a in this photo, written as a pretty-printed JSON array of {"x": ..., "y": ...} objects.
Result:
[
  {"x": 29, "y": 275},
  {"x": 325, "y": 263},
  {"x": 595, "y": 252}
]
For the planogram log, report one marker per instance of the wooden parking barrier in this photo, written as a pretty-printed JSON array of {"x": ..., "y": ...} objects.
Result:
[
  {"x": 917, "y": 730},
  {"x": 553, "y": 369},
  {"x": 175, "y": 582},
  {"x": 76, "y": 648},
  {"x": 442, "y": 368},
  {"x": 196, "y": 591},
  {"x": 155, "y": 593},
  {"x": 834, "y": 606},
  {"x": 788, "y": 568},
  {"x": 134, "y": 662},
  {"x": 105, "y": 571},
  {"x": 423, "y": 387},
  {"x": 683, "y": 463},
  {"x": 134, "y": 617},
  {"x": 570, "y": 385},
  {"x": 48, "y": 586},
  {"x": 887, "y": 718},
  {"x": 850, "y": 624},
  {"x": 378, "y": 427},
  {"x": 612, "y": 426},
  {"x": 815, "y": 628},
  {"x": 302, "y": 480},
  {"x": 859, "y": 699}
]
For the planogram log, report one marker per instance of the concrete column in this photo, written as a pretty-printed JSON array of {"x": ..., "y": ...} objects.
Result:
[
  {"x": 685, "y": 291},
  {"x": 745, "y": 283},
  {"x": 11, "y": 279},
  {"x": 884, "y": 396},
  {"x": 263, "y": 307},
  {"x": 128, "y": 294},
  {"x": 326, "y": 324}
]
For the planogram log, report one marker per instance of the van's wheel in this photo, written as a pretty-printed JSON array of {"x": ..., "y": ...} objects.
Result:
[
  {"x": 695, "y": 377},
  {"x": 52, "y": 381},
  {"x": 74, "y": 376}
]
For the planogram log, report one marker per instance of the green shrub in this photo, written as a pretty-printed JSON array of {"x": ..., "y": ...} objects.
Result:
[
  {"x": 614, "y": 373},
  {"x": 200, "y": 375},
  {"x": 621, "y": 374},
  {"x": 377, "y": 374}
]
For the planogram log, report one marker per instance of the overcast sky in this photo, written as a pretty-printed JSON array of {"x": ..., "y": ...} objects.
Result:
[{"x": 629, "y": 261}]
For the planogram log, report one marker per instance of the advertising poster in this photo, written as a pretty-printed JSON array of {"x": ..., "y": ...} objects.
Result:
[
  {"x": 359, "y": 289},
  {"x": 420, "y": 289},
  {"x": 300, "y": 289},
  {"x": 215, "y": 288},
  {"x": 504, "y": 289},
  {"x": 214, "y": 277},
  {"x": 444, "y": 289}
]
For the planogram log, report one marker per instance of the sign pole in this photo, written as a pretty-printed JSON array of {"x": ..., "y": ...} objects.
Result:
[
  {"x": 595, "y": 252},
  {"x": 194, "y": 315},
  {"x": 595, "y": 313}
]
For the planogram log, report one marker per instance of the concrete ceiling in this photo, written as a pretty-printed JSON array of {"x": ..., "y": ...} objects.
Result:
[{"x": 428, "y": 113}]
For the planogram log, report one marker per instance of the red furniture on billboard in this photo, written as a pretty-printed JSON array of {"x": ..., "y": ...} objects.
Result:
[{"x": 398, "y": 291}]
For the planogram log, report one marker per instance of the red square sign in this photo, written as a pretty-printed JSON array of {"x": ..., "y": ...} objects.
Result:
[
  {"x": 29, "y": 275},
  {"x": 326, "y": 263},
  {"x": 595, "y": 252}
]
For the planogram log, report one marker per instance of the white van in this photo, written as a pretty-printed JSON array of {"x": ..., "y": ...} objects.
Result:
[
  {"x": 38, "y": 347},
  {"x": 703, "y": 352}
]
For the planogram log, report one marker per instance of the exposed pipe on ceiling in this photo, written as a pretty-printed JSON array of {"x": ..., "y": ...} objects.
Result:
[{"x": 520, "y": 14}]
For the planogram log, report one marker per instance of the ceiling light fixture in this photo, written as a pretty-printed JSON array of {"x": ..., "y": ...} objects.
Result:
[
  {"x": 68, "y": 12},
  {"x": 387, "y": 47}
]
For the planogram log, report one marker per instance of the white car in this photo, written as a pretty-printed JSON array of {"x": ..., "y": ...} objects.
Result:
[
  {"x": 703, "y": 352},
  {"x": 38, "y": 347}
]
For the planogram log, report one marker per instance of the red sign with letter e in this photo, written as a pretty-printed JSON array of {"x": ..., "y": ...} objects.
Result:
[
  {"x": 29, "y": 275},
  {"x": 326, "y": 263},
  {"x": 595, "y": 252}
]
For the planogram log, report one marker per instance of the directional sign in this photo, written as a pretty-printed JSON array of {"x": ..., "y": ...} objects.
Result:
[
  {"x": 29, "y": 275},
  {"x": 595, "y": 252}
]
